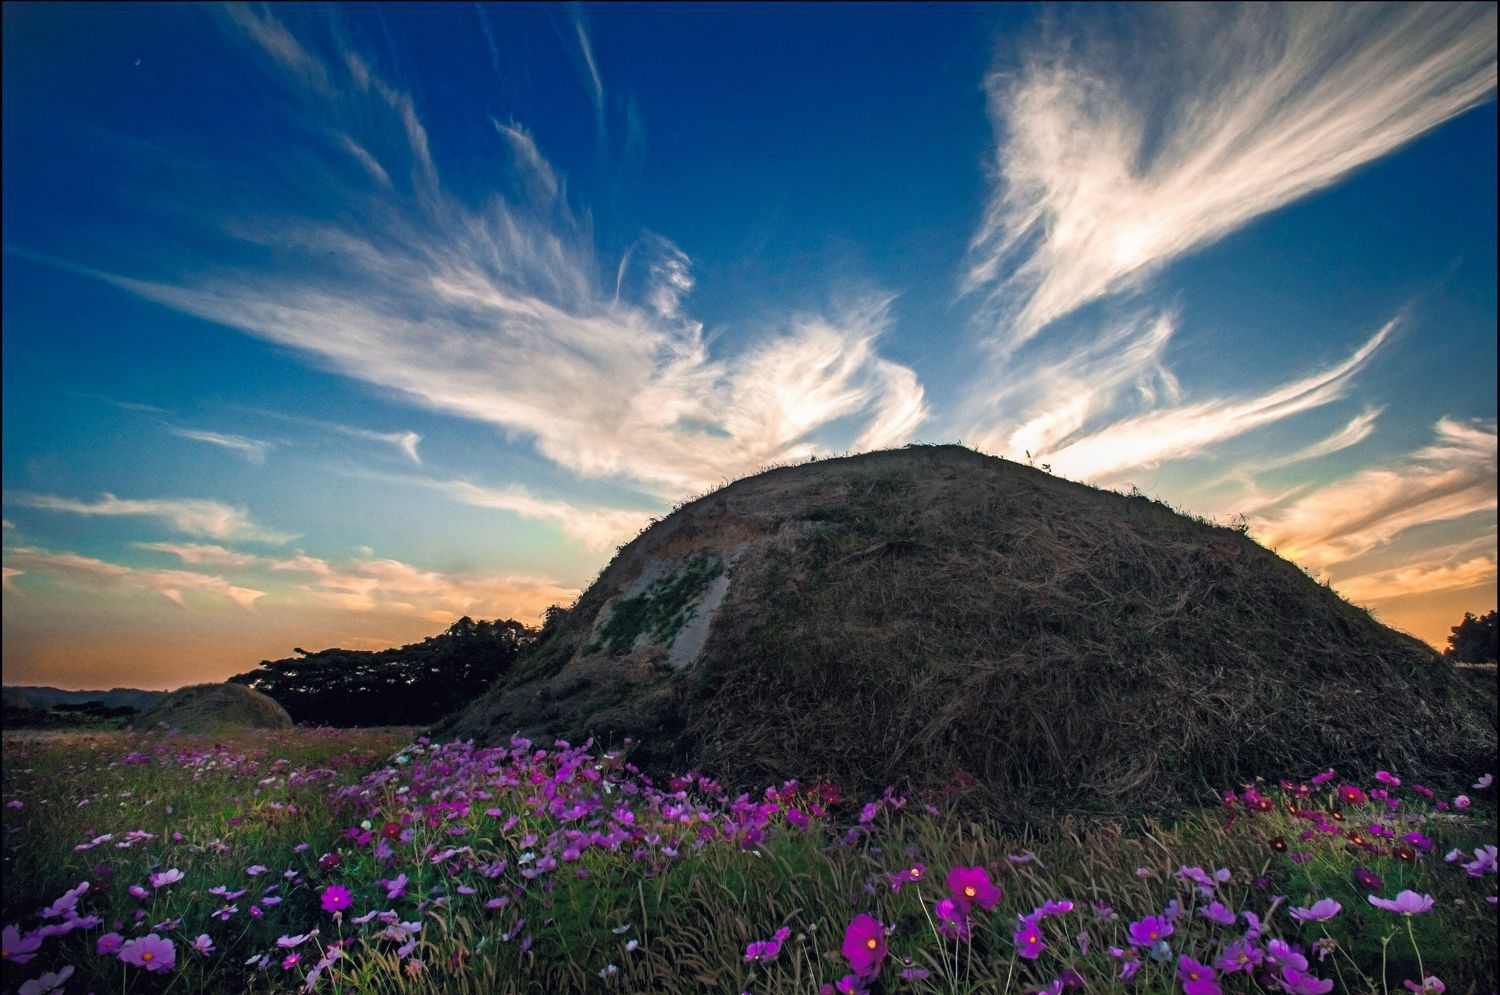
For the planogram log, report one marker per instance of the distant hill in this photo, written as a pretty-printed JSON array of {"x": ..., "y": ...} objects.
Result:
[
  {"x": 898, "y": 617},
  {"x": 48, "y": 697}
]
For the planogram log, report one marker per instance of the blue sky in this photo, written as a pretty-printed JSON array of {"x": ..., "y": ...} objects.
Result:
[{"x": 324, "y": 325}]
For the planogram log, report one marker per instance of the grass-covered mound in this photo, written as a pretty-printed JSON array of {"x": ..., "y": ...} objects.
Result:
[
  {"x": 901, "y": 616},
  {"x": 215, "y": 707}
]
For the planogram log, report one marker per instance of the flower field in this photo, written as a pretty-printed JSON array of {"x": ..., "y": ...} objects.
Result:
[{"x": 363, "y": 861}]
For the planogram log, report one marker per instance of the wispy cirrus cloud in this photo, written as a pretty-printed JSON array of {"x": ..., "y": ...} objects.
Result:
[
  {"x": 253, "y": 450},
  {"x": 1403, "y": 582},
  {"x": 173, "y": 585},
  {"x": 1325, "y": 528},
  {"x": 1120, "y": 152},
  {"x": 191, "y": 516},
  {"x": 390, "y": 586},
  {"x": 500, "y": 313},
  {"x": 199, "y": 554},
  {"x": 1184, "y": 430},
  {"x": 597, "y": 528},
  {"x": 1098, "y": 410}
]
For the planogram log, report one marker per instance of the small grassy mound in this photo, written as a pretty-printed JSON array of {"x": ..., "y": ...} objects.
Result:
[
  {"x": 213, "y": 708},
  {"x": 897, "y": 618}
]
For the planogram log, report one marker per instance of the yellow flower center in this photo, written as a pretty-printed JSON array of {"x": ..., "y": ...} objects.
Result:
[
  {"x": 871, "y": 944},
  {"x": 1192, "y": 975},
  {"x": 1031, "y": 939},
  {"x": 1152, "y": 935},
  {"x": 969, "y": 891},
  {"x": 145, "y": 955}
]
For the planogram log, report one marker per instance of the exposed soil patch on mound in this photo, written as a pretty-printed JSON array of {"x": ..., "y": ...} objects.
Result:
[
  {"x": 896, "y": 617},
  {"x": 215, "y": 708}
]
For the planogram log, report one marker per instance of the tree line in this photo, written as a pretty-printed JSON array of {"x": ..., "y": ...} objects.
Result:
[{"x": 416, "y": 684}]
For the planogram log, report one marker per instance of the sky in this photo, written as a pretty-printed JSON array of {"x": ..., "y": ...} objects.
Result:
[{"x": 324, "y": 325}]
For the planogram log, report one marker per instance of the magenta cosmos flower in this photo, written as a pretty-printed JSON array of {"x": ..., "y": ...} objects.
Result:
[
  {"x": 17, "y": 946},
  {"x": 1408, "y": 903},
  {"x": 151, "y": 952},
  {"x": 971, "y": 886},
  {"x": 1196, "y": 978},
  {"x": 336, "y": 898},
  {"x": 864, "y": 945},
  {"x": 1146, "y": 932},
  {"x": 765, "y": 950},
  {"x": 1028, "y": 939},
  {"x": 1319, "y": 911}
]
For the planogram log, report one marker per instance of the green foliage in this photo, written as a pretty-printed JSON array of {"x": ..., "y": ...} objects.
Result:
[
  {"x": 413, "y": 685},
  {"x": 216, "y": 807},
  {"x": 1474, "y": 639},
  {"x": 659, "y": 612}
]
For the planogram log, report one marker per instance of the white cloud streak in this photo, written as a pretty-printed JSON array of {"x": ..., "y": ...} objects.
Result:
[
  {"x": 173, "y": 585},
  {"x": 191, "y": 516},
  {"x": 1453, "y": 478},
  {"x": 496, "y": 314},
  {"x": 383, "y": 585},
  {"x": 1184, "y": 430},
  {"x": 253, "y": 450},
  {"x": 1402, "y": 582},
  {"x": 201, "y": 554},
  {"x": 596, "y": 528},
  {"x": 1119, "y": 154}
]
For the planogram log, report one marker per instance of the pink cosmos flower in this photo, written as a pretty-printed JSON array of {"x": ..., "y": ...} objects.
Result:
[
  {"x": 170, "y": 876},
  {"x": 1146, "y": 932},
  {"x": 1484, "y": 782},
  {"x": 1319, "y": 911},
  {"x": 864, "y": 945},
  {"x": 395, "y": 887},
  {"x": 1430, "y": 985},
  {"x": 108, "y": 944},
  {"x": 971, "y": 886},
  {"x": 1485, "y": 861},
  {"x": 151, "y": 952},
  {"x": 1284, "y": 955},
  {"x": 1296, "y": 982},
  {"x": 336, "y": 898},
  {"x": 1386, "y": 777},
  {"x": 1028, "y": 939},
  {"x": 1408, "y": 903},
  {"x": 48, "y": 983},
  {"x": 1351, "y": 795},
  {"x": 952, "y": 922},
  {"x": 1218, "y": 912},
  {"x": 203, "y": 944},
  {"x": 761, "y": 950},
  {"x": 849, "y": 984},
  {"x": 66, "y": 903},
  {"x": 912, "y": 873},
  {"x": 1196, "y": 978},
  {"x": 1462, "y": 802},
  {"x": 18, "y": 947},
  {"x": 1241, "y": 955},
  {"x": 1368, "y": 879}
]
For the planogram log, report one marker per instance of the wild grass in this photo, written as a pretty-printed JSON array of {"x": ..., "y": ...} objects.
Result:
[{"x": 539, "y": 869}]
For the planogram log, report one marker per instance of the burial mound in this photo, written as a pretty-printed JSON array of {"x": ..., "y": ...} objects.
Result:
[
  {"x": 898, "y": 617},
  {"x": 214, "y": 708}
]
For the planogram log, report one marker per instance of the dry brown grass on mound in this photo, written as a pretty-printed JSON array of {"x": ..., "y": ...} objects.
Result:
[
  {"x": 213, "y": 708},
  {"x": 897, "y": 617}
]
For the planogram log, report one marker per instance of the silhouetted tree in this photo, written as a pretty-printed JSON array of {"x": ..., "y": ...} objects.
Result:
[
  {"x": 414, "y": 685},
  {"x": 1473, "y": 639}
]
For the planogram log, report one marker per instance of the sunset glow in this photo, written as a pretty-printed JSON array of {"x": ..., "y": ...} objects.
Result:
[{"x": 325, "y": 325}]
